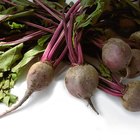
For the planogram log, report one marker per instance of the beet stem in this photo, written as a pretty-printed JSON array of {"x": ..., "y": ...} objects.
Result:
[
  {"x": 48, "y": 10},
  {"x": 57, "y": 33},
  {"x": 108, "y": 91},
  {"x": 26, "y": 96},
  {"x": 24, "y": 39},
  {"x": 60, "y": 57},
  {"x": 111, "y": 84},
  {"x": 46, "y": 19},
  {"x": 70, "y": 44},
  {"x": 80, "y": 54},
  {"x": 38, "y": 26},
  {"x": 91, "y": 105}
]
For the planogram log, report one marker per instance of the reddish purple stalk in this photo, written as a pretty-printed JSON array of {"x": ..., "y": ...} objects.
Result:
[
  {"x": 38, "y": 26},
  {"x": 111, "y": 84},
  {"x": 46, "y": 19},
  {"x": 109, "y": 91},
  {"x": 23, "y": 39},
  {"x": 48, "y": 10},
  {"x": 57, "y": 33}
]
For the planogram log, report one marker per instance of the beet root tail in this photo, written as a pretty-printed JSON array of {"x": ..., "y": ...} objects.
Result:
[
  {"x": 26, "y": 96},
  {"x": 91, "y": 105}
]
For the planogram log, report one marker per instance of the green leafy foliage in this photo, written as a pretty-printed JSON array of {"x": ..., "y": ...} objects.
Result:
[
  {"x": 97, "y": 8},
  {"x": 9, "y": 58}
]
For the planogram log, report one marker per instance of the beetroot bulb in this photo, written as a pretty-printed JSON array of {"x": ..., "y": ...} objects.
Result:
[
  {"x": 116, "y": 54},
  {"x": 80, "y": 79},
  {"x": 133, "y": 69},
  {"x": 135, "y": 37},
  {"x": 131, "y": 97},
  {"x": 41, "y": 73}
]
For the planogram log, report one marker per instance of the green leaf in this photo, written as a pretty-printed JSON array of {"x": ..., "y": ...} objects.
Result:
[
  {"x": 10, "y": 57},
  {"x": 1, "y": 74},
  {"x": 1, "y": 95},
  {"x": 29, "y": 55},
  {"x": 105, "y": 72},
  {"x": 6, "y": 100},
  {"x": 24, "y": 3},
  {"x": 2, "y": 8},
  {"x": 6, "y": 84},
  {"x": 4, "y": 17},
  {"x": 13, "y": 99},
  {"x": 84, "y": 19},
  {"x": 87, "y": 3},
  {"x": 14, "y": 25}
]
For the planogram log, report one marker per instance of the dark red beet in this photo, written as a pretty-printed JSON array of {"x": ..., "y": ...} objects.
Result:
[
  {"x": 116, "y": 54},
  {"x": 135, "y": 37},
  {"x": 131, "y": 98},
  {"x": 39, "y": 76},
  {"x": 81, "y": 80},
  {"x": 133, "y": 69}
]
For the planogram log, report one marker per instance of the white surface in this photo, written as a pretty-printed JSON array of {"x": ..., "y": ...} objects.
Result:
[{"x": 54, "y": 114}]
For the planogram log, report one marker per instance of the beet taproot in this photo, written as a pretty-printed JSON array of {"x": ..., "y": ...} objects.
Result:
[{"x": 81, "y": 81}]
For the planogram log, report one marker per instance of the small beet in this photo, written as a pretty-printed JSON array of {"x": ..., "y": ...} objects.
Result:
[
  {"x": 39, "y": 76},
  {"x": 81, "y": 80},
  {"x": 135, "y": 37},
  {"x": 133, "y": 69},
  {"x": 131, "y": 97},
  {"x": 116, "y": 54}
]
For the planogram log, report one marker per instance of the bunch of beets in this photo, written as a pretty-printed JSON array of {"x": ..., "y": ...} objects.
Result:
[{"x": 100, "y": 40}]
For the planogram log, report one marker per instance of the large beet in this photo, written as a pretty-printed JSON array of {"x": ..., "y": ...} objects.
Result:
[
  {"x": 131, "y": 98},
  {"x": 81, "y": 80},
  {"x": 116, "y": 54}
]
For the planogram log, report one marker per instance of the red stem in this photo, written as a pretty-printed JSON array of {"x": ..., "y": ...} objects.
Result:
[
  {"x": 111, "y": 84},
  {"x": 23, "y": 39},
  {"x": 46, "y": 19},
  {"x": 60, "y": 57},
  {"x": 48, "y": 10},
  {"x": 80, "y": 54},
  {"x": 108, "y": 91},
  {"x": 38, "y": 26},
  {"x": 56, "y": 33},
  {"x": 55, "y": 46},
  {"x": 70, "y": 44}
]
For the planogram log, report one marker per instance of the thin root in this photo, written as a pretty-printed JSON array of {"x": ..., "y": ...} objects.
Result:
[
  {"x": 91, "y": 105},
  {"x": 26, "y": 96}
]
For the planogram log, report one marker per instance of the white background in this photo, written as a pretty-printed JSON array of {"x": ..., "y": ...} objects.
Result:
[{"x": 53, "y": 114}]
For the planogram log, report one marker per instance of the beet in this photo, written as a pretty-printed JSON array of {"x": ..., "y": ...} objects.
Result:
[
  {"x": 133, "y": 69},
  {"x": 81, "y": 80},
  {"x": 135, "y": 37},
  {"x": 131, "y": 97},
  {"x": 39, "y": 76},
  {"x": 116, "y": 54}
]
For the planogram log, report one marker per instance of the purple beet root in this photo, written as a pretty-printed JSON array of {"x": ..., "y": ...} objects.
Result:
[
  {"x": 116, "y": 54},
  {"x": 39, "y": 76},
  {"x": 135, "y": 37},
  {"x": 133, "y": 69},
  {"x": 131, "y": 98},
  {"x": 81, "y": 80}
]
